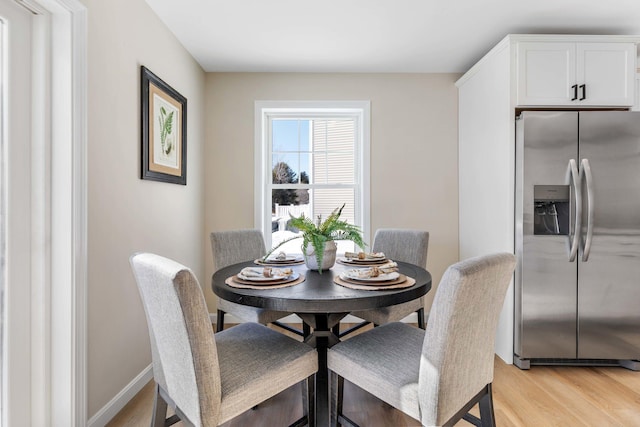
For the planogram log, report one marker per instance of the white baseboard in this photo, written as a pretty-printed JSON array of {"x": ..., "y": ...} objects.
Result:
[
  {"x": 292, "y": 318},
  {"x": 115, "y": 405}
]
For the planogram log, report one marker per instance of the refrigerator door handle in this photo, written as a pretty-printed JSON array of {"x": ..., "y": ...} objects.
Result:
[
  {"x": 585, "y": 171},
  {"x": 574, "y": 178}
]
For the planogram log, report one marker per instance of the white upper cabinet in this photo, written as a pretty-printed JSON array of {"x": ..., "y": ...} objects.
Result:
[
  {"x": 546, "y": 73},
  {"x": 576, "y": 74},
  {"x": 636, "y": 104}
]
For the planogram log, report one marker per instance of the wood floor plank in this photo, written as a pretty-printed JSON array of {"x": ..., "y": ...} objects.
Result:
[
  {"x": 527, "y": 403},
  {"x": 564, "y": 386},
  {"x": 619, "y": 403}
]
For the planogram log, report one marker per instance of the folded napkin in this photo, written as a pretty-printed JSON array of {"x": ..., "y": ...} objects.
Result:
[
  {"x": 367, "y": 273},
  {"x": 280, "y": 256},
  {"x": 364, "y": 255},
  {"x": 252, "y": 272},
  {"x": 266, "y": 272}
]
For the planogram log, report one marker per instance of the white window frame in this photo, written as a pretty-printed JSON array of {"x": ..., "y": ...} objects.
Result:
[{"x": 265, "y": 110}]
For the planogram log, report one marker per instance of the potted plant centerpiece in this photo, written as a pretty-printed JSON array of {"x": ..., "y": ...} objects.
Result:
[{"x": 318, "y": 238}]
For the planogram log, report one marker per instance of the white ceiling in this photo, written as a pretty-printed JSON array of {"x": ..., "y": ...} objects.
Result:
[{"x": 430, "y": 36}]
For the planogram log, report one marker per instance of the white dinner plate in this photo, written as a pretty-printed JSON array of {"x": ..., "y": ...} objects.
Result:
[
  {"x": 288, "y": 259},
  {"x": 369, "y": 261},
  {"x": 369, "y": 257},
  {"x": 255, "y": 275},
  {"x": 354, "y": 275}
]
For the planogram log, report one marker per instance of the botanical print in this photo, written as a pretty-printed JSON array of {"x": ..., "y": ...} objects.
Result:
[{"x": 165, "y": 133}]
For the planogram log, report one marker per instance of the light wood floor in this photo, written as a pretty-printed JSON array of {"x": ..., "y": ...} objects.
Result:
[{"x": 542, "y": 396}]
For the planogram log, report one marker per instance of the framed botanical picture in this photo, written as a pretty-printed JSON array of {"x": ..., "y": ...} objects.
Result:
[{"x": 164, "y": 131}]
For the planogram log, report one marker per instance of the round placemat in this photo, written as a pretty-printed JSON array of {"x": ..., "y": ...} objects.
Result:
[
  {"x": 278, "y": 264},
  {"x": 235, "y": 282},
  {"x": 401, "y": 282}
]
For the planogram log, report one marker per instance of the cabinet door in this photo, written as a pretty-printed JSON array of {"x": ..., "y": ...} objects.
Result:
[
  {"x": 546, "y": 72},
  {"x": 608, "y": 72},
  {"x": 636, "y": 102}
]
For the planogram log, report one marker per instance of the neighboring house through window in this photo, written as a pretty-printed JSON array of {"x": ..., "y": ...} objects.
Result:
[{"x": 311, "y": 157}]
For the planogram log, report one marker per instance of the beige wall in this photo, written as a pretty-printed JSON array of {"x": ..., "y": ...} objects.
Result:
[
  {"x": 414, "y": 174},
  {"x": 127, "y": 214}
]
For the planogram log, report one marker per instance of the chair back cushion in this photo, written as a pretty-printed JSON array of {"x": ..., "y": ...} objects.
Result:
[
  {"x": 232, "y": 247},
  {"x": 185, "y": 359},
  {"x": 403, "y": 245},
  {"x": 458, "y": 349}
]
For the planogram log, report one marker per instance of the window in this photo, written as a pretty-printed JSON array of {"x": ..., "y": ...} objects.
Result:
[{"x": 310, "y": 159}]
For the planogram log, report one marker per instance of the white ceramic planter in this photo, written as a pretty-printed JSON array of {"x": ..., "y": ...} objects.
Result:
[{"x": 328, "y": 260}]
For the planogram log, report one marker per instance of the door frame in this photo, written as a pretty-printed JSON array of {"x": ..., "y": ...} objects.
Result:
[{"x": 58, "y": 259}]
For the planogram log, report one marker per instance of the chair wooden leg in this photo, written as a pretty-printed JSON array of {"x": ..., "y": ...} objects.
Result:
[
  {"x": 220, "y": 321},
  {"x": 159, "y": 409},
  {"x": 308, "y": 404},
  {"x": 336, "y": 329},
  {"x": 353, "y": 329},
  {"x": 336, "y": 390},
  {"x": 311, "y": 400},
  {"x": 487, "y": 416},
  {"x": 306, "y": 330},
  {"x": 421, "y": 323}
]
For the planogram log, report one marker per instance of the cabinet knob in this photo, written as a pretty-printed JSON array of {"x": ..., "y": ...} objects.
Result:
[
  {"x": 584, "y": 92},
  {"x": 575, "y": 92}
]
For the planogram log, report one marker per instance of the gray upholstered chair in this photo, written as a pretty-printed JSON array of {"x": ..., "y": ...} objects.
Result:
[
  {"x": 437, "y": 375},
  {"x": 209, "y": 379},
  {"x": 398, "y": 245},
  {"x": 232, "y": 247}
]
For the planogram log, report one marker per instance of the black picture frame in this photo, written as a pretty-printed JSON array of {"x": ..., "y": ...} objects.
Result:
[{"x": 164, "y": 131}]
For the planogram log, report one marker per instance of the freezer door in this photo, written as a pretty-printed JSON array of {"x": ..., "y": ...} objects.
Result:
[
  {"x": 546, "y": 279},
  {"x": 609, "y": 279}
]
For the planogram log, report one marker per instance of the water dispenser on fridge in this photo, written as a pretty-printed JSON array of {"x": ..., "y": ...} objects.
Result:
[{"x": 551, "y": 210}]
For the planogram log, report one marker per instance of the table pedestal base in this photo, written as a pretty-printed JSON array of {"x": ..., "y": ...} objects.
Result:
[{"x": 322, "y": 338}]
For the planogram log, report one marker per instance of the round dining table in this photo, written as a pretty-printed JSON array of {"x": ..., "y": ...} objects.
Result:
[{"x": 320, "y": 303}]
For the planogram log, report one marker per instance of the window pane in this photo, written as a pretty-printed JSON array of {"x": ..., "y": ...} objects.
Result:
[
  {"x": 284, "y": 135},
  {"x": 340, "y": 168},
  {"x": 305, "y": 168},
  {"x": 319, "y": 168},
  {"x": 319, "y": 135},
  {"x": 303, "y": 134},
  {"x": 281, "y": 229},
  {"x": 334, "y": 151},
  {"x": 284, "y": 169},
  {"x": 340, "y": 134},
  {"x": 323, "y": 202},
  {"x": 290, "y": 135}
]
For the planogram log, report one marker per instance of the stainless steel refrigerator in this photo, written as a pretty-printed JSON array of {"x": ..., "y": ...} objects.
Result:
[{"x": 577, "y": 238}]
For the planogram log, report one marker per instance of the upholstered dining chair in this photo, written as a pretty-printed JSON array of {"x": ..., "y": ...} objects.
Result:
[
  {"x": 209, "y": 379},
  {"x": 398, "y": 245},
  {"x": 435, "y": 375},
  {"x": 234, "y": 246}
]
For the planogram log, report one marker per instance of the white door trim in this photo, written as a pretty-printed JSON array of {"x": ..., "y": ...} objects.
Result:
[
  {"x": 59, "y": 218},
  {"x": 68, "y": 213}
]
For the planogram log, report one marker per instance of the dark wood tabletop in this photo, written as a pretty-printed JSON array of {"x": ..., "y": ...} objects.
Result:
[{"x": 318, "y": 293}]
